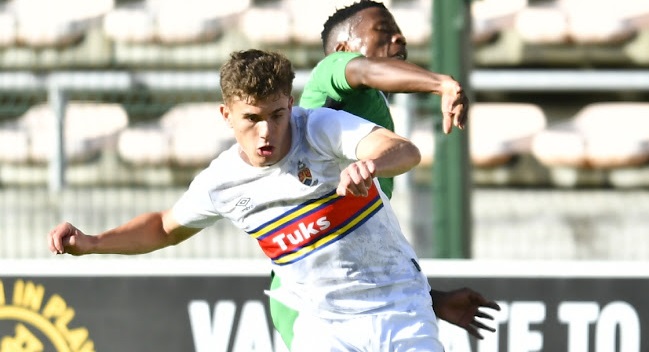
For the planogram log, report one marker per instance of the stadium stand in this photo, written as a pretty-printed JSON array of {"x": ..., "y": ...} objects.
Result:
[{"x": 599, "y": 147}]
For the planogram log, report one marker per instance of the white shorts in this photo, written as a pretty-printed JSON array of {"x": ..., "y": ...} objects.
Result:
[{"x": 414, "y": 330}]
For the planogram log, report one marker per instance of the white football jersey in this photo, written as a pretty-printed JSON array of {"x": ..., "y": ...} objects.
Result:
[{"x": 335, "y": 255}]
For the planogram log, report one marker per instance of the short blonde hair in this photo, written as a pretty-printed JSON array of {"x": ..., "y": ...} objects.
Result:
[{"x": 254, "y": 75}]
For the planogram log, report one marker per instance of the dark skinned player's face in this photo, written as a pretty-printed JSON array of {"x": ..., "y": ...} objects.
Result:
[{"x": 374, "y": 33}]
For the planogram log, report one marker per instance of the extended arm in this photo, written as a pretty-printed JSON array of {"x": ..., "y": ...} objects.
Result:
[
  {"x": 144, "y": 233},
  {"x": 381, "y": 153},
  {"x": 398, "y": 76}
]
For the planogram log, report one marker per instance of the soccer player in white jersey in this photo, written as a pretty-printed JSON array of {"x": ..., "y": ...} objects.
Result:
[{"x": 303, "y": 184}]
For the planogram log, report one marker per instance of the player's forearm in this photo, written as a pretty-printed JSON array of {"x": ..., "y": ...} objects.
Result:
[
  {"x": 394, "y": 76},
  {"x": 392, "y": 155},
  {"x": 143, "y": 234}
]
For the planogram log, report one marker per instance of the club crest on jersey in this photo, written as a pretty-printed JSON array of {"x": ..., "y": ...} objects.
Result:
[{"x": 304, "y": 175}]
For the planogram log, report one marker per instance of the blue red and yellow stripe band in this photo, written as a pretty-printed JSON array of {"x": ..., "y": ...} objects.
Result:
[{"x": 315, "y": 224}]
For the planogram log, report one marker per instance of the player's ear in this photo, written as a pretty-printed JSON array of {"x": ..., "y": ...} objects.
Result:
[
  {"x": 342, "y": 46},
  {"x": 225, "y": 114}
]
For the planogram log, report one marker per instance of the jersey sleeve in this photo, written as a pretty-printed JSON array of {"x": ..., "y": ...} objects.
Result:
[
  {"x": 195, "y": 208},
  {"x": 328, "y": 80},
  {"x": 336, "y": 132}
]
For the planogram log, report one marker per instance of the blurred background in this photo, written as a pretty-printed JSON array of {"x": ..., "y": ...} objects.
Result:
[{"x": 108, "y": 108}]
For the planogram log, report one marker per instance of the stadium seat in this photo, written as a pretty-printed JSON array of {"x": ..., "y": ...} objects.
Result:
[
  {"x": 560, "y": 145},
  {"x": 603, "y": 135},
  {"x": 254, "y": 24},
  {"x": 144, "y": 145},
  {"x": 604, "y": 22},
  {"x": 130, "y": 24},
  {"x": 605, "y": 149},
  {"x": 56, "y": 23},
  {"x": 198, "y": 133},
  {"x": 500, "y": 131},
  {"x": 542, "y": 24},
  {"x": 423, "y": 136},
  {"x": 188, "y": 135},
  {"x": 14, "y": 144},
  {"x": 171, "y": 21},
  {"x": 419, "y": 131},
  {"x": 89, "y": 128},
  {"x": 414, "y": 18},
  {"x": 7, "y": 28},
  {"x": 489, "y": 17},
  {"x": 307, "y": 18},
  {"x": 193, "y": 21}
]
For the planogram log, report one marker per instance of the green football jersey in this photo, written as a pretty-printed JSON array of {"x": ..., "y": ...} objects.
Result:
[{"x": 328, "y": 87}]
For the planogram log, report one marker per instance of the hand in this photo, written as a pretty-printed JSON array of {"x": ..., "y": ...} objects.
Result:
[
  {"x": 356, "y": 179},
  {"x": 65, "y": 238},
  {"x": 461, "y": 307},
  {"x": 455, "y": 105}
]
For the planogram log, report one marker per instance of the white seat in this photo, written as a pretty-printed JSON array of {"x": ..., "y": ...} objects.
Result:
[
  {"x": 188, "y": 135},
  {"x": 7, "y": 28},
  {"x": 608, "y": 149},
  {"x": 56, "y": 23},
  {"x": 489, "y": 17},
  {"x": 591, "y": 139},
  {"x": 500, "y": 131},
  {"x": 89, "y": 128},
  {"x": 193, "y": 21},
  {"x": 132, "y": 24},
  {"x": 414, "y": 19},
  {"x": 419, "y": 132},
  {"x": 144, "y": 145},
  {"x": 171, "y": 21},
  {"x": 254, "y": 24},
  {"x": 198, "y": 133},
  {"x": 560, "y": 145},
  {"x": 14, "y": 145},
  {"x": 308, "y": 18},
  {"x": 423, "y": 136},
  {"x": 542, "y": 24},
  {"x": 605, "y": 22}
]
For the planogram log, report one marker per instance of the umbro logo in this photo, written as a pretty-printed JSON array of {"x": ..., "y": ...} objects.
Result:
[{"x": 243, "y": 202}]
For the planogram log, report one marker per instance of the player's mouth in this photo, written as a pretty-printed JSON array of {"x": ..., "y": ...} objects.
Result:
[{"x": 265, "y": 151}]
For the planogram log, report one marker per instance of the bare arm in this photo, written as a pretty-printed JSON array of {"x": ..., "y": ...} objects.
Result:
[
  {"x": 145, "y": 233},
  {"x": 381, "y": 153},
  {"x": 398, "y": 76}
]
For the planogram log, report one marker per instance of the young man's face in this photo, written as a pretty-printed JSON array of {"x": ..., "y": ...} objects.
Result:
[
  {"x": 262, "y": 128},
  {"x": 376, "y": 34}
]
